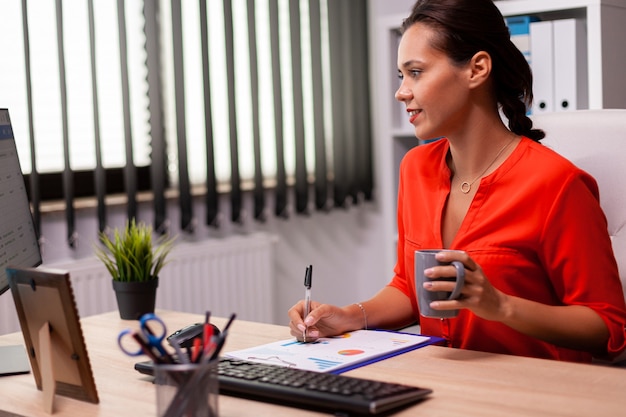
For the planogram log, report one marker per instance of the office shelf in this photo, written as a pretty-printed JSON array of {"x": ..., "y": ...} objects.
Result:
[{"x": 605, "y": 37}]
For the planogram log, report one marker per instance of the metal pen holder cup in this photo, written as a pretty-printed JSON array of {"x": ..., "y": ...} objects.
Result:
[{"x": 189, "y": 390}]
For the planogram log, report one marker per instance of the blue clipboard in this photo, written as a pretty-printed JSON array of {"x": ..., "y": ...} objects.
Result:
[{"x": 432, "y": 340}]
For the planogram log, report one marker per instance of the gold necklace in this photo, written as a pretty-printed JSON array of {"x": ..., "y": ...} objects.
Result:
[{"x": 466, "y": 187}]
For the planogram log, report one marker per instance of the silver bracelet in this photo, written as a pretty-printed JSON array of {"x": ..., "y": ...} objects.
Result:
[{"x": 364, "y": 313}]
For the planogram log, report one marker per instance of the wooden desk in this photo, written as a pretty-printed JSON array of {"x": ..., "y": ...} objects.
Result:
[{"x": 465, "y": 383}]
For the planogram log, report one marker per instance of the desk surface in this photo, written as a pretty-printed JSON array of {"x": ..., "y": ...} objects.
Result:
[{"x": 465, "y": 383}]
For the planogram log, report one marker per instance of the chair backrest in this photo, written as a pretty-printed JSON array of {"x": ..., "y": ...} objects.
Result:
[{"x": 595, "y": 140}]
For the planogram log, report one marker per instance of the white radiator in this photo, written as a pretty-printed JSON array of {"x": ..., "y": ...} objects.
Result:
[{"x": 224, "y": 275}]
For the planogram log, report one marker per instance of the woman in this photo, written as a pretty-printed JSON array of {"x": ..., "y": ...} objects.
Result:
[{"x": 540, "y": 276}]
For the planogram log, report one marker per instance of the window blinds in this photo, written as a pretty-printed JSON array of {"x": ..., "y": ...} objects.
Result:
[{"x": 234, "y": 97}]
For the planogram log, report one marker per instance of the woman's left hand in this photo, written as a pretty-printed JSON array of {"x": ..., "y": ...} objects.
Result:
[{"x": 477, "y": 295}]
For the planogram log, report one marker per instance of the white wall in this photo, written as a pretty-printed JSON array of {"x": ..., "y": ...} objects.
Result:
[
  {"x": 347, "y": 247},
  {"x": 380, "y": 8}
]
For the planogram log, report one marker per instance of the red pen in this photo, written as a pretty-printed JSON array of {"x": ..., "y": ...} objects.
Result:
[
  {"x": 207, "y": 336},
  {"x": 195, "y": 353},
  {"x": 207, "y": 333}
]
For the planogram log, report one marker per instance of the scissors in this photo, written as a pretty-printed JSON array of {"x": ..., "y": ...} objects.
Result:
[{"x": 149, "y": 337}]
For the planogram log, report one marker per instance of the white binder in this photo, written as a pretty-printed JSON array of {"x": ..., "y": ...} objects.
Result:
[
  {"x": 570, "y": 65},
  {"x": 542, "y": 64}
]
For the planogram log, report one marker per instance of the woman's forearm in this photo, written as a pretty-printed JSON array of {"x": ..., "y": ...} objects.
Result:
[
  {"x": 574, "y": 327},
  {"x": 388, "y": 309}
]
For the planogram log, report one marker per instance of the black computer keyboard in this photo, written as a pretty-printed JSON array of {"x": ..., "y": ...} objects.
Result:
[{"x": 310, "y": 390}]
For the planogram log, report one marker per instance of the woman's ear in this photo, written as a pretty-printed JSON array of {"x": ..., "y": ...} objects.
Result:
[{"x": 480, "y": 68}]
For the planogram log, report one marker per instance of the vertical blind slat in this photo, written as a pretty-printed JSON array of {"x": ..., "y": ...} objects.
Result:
[
  {"x": 68, "y": 180},
  {"x": 347, "y": 75},
  {"x": 158, "y": 168},
  {"x": 340, "y": 188},
  {"x": 99, "y": 179},
  {"x": 301, "y": 187},
  {"x": 259, "y": 191},
  {"x": 35, "y": 198},
  {"x": 130, "y": 175},
  {"x": 186, "y": 218},
  {"x": 211, "y": 198},
  {"x": 321, "y": 180},
  {"x": 361, "y": 101},
  {"x": 235, "y": 179},
  {"x": 280, "y": 209}
]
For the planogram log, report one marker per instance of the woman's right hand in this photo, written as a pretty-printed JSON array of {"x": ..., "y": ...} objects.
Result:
[{"x": 324, "y": 320}]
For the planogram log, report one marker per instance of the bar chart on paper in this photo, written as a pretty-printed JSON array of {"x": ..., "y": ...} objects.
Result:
[{"x": 334, "y": 354}]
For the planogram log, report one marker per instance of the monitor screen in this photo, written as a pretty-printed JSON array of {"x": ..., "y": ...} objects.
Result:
[{"x": 18, "y": 239}]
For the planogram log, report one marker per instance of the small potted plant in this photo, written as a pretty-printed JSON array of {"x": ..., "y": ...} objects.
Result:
[{"x": 134, "y": 260}]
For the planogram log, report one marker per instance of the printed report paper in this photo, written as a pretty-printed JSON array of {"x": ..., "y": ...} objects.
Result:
[{"x": 334, "y": 354}]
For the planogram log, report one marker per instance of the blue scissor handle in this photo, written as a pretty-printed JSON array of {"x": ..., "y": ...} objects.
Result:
[
  {"x": 151, "y": 336},
  {"x": 154, "y": 338},
  {"x": 123, "y": 346}
]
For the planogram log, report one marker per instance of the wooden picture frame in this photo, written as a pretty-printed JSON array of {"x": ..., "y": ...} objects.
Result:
[{"x": 48, "y": 316}]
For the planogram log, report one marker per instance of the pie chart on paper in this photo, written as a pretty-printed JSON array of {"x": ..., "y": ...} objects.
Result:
[{"x": 350, "y": 352}]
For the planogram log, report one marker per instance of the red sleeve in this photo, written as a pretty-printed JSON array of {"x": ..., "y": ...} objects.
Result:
[
  {"x": 400, "y": 280},
  {"x": 579, "y": 257}
]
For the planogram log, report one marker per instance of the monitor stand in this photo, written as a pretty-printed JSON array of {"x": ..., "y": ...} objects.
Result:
[{"x": 13, "y": 360}]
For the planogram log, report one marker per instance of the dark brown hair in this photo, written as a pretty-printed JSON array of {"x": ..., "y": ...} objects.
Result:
[{"x": 465, "y": 27}]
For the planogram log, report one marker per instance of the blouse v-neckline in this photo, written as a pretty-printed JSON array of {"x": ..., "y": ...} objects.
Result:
[{"x": 482, "y": 189}]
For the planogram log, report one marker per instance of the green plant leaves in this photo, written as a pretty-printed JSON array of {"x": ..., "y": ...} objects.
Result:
[{"x": 131, "y": 254}]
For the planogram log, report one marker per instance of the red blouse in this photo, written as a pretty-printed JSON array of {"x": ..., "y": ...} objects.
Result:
[{"x": 535, "y": 227}]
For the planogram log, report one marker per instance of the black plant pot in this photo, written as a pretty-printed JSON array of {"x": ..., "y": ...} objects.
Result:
[{"x": 134, "y": 299}]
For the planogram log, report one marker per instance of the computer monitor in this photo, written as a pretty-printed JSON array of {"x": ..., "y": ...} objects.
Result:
[{"x": 18, "y": 240}]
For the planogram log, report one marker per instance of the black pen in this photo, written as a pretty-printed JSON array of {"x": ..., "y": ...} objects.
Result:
[
  {"x": 221, "y": 338},
  {"x": 308, "y": 281},
  {"x": 229, "y": 322}
]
